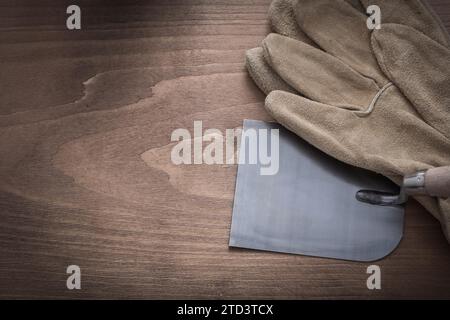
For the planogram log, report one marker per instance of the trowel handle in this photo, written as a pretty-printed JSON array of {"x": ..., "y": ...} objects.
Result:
[
  {"x": 433, "y": 182},
  {"x": 437, "y": 182}
]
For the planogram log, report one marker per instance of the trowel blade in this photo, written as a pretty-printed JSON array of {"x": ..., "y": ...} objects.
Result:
[{"x": 309, "y": 207}]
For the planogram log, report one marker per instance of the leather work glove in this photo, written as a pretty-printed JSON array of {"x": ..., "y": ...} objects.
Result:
[{"x": 378, "y": 100}]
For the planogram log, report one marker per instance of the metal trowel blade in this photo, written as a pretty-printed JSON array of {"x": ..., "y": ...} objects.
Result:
[{"x": 309, "y": 206}]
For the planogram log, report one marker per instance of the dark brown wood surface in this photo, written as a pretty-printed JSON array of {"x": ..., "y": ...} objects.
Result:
[{"x": 85, "y": 171}]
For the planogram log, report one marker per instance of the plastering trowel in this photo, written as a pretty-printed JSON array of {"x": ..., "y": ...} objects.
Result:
[{"x": 315, "y": 205}]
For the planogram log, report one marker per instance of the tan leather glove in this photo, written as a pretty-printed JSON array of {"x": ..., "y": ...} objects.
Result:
[{"x": 378, "y": 99}]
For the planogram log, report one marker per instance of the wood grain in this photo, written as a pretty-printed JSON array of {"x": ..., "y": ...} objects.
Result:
[{"x": 85, "y": 172}]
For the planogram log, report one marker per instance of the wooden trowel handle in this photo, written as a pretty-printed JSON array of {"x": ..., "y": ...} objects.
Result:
[{"x": 437, "y": 182}]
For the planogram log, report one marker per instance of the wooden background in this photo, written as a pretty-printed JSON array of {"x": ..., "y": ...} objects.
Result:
[{"x": 85, "y": 172}]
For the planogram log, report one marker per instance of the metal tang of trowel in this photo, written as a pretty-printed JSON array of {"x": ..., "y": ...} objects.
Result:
[
  {"x": 318, "y": 206},
  {"x": 434, "y": 182}
]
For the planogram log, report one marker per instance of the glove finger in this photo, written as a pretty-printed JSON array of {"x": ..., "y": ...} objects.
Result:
[
  {"x": 262, "y": 74},
  {"x": 414, "y": 13},
  {"x": 341, "y": 30},
  {"x": 282, "y": 20},
  {"x": 357, "y": 5},
  {"x": 326, "y": 127},
  {"x": 418, "y": 66},
  {"x": 318, "y": 75}
]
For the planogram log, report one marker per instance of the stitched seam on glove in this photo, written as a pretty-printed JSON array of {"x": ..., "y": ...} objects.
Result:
[{"x": 375, "y": 99}]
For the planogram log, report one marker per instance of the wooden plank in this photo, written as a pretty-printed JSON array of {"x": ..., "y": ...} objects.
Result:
[{"x": 85, "y": 172}]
